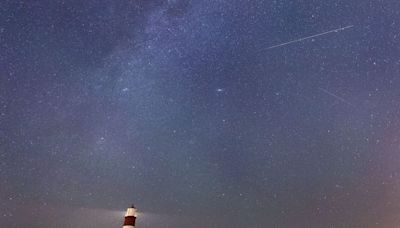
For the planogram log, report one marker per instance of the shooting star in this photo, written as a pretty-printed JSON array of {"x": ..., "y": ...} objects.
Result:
[
  {"x": 309, "y": 37},
  {"x": 337, "y": 97}
]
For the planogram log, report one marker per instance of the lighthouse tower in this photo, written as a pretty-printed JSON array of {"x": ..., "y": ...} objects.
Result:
[{"x": 130, "y": 217}]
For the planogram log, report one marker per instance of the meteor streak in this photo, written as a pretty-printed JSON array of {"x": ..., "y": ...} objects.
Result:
[
  {"x": 309, "y": 37},
  {"x": 337, "y": 97}
]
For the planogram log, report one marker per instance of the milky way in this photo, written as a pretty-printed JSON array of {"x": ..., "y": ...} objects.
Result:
[{"x": 178, "y": 107}]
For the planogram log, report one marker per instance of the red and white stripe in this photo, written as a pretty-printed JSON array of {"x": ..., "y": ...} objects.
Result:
[{"x": 130, "y": 217}]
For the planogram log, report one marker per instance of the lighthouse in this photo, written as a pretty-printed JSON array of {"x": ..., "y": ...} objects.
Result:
[{"x": 130, "y": 217}]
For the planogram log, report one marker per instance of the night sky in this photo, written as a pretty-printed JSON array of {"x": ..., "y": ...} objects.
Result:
[{"x": 204, "y": 113}]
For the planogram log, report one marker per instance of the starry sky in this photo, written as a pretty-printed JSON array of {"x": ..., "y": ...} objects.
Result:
[{"x": 194, "y": 111}]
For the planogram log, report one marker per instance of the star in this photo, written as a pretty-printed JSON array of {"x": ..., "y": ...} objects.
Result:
[{"x": 199, "y": 112}]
